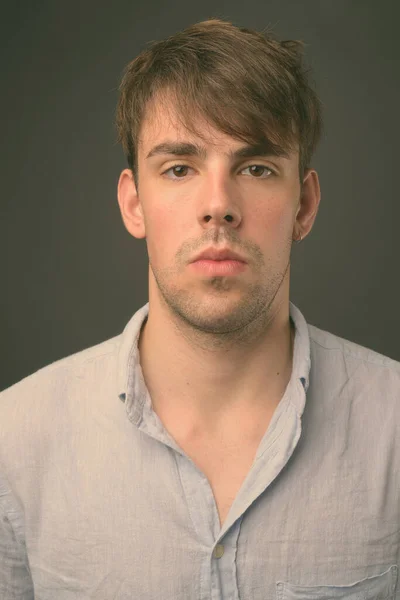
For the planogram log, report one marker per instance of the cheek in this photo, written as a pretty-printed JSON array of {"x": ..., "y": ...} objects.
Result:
[
  {"x": 169, "y": 220},
  {"x": 162, "y": 211},
  {"x": 162, "y": 235},
  {"x": 276, "y": 220}
]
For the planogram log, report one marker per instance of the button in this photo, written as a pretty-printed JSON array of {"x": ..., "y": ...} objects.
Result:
[{"x": 218, "y": 550}]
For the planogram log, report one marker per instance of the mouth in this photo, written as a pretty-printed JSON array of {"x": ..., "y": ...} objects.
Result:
[
  {"x": 218, "y": 267},
  {"x": 219, "y": 254}
]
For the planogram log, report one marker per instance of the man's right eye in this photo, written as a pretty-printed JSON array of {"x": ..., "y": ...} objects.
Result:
[{"x": 178, "y": 170}]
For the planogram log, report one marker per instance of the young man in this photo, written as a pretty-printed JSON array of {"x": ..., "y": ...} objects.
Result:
[{"x": 220, "y": 447}]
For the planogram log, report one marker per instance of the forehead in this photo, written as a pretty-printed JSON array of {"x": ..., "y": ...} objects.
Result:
[
  {"x": 163, "y": 126},
  {"x": 162, "y": 121}
]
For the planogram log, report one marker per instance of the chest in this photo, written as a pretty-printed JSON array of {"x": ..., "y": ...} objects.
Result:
[{"x": 225, "y": 467}]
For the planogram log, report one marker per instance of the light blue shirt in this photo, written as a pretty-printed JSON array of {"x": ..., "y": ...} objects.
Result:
[{"x": 97, "y": 500}]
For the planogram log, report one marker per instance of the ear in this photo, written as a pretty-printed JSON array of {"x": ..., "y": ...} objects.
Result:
[
  {"x": 308, "y": 204},
  {"x": 130, "y": 206}
]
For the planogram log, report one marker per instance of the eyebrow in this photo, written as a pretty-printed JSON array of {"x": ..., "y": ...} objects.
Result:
[{"x": 189, "y": 149}]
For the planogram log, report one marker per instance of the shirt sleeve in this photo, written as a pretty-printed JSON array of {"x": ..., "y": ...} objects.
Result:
[{"x": 15, "y": 579}]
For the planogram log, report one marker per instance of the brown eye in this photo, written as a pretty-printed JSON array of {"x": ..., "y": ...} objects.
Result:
[
  {"x": 177, "y": 171},
  {"x": 256, "y": 170},
  {"x": 259, "y": 171}
]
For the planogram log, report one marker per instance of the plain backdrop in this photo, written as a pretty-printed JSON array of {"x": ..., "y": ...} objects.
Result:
[{"x": 72, "y": 276}]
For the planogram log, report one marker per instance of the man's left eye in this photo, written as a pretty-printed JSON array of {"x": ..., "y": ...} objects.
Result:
[{"x": 259, "y": 170}]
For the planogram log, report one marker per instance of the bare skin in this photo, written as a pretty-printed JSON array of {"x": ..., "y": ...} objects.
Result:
[{"x": 216, "y": 351}]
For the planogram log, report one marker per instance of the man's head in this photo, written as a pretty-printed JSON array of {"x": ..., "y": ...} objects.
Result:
[
  {"x": 219, "y": 125},
  {"x": 247, "y": 85}
]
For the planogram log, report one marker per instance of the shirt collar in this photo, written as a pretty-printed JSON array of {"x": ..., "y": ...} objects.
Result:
[
  {"x": 132, "y": 388},
  {"x": 129, "y": 373},
  {"x": 301, "y": 357}
]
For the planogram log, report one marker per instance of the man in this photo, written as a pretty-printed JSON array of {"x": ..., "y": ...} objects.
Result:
[{"x": 219, "y": 447}]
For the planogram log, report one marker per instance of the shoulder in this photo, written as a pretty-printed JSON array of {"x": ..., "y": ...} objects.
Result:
[
  {"x": 58, "y": 382},
  {"x": 339, "y": 363},
  {"x": 330, "y": 342}
]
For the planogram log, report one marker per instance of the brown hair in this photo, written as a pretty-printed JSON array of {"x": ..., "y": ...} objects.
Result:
[{"x": 245, "y": 83}]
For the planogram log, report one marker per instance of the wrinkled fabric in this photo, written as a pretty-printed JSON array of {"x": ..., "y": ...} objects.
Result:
[{"x": 97, "y": 500}]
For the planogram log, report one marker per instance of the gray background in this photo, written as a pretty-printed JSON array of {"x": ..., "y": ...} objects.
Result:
[{"x": 72, "y": 276}]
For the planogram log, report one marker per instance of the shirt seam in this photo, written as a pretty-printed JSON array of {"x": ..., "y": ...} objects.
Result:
[
  {"x": 65, "y": 364},
  {"x": 385, "y": 361}
]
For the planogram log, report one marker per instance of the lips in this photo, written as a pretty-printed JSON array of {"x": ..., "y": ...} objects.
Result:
[{"x": 221, "y": 254}]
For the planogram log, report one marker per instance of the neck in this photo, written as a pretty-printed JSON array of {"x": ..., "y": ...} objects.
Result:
[{"x": 207, "y": 386}]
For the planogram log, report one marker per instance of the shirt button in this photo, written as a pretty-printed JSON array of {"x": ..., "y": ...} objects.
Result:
[{"x": 218, "y": 550}]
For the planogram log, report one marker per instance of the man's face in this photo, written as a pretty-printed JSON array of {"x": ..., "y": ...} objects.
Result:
[{"x": 183, "y": 199}]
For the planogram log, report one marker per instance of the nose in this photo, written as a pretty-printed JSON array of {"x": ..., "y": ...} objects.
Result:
[{"x": 219, "y": 202}]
